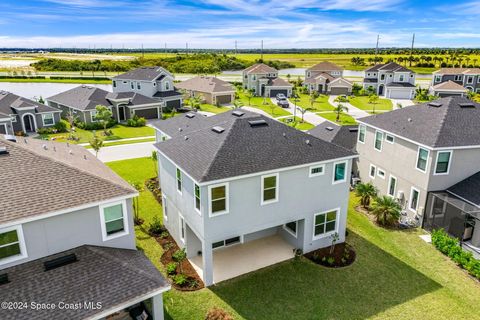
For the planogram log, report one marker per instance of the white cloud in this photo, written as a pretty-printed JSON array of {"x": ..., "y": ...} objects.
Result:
[{"x": 467, "y": 8}]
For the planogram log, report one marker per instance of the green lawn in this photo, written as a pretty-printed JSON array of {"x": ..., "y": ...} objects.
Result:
[
  {"x": 121, "y": 142},
  {"x": 48, "y": 80},
  {"x": 396, "y": 276},
  {"x": 264, "y": 104},
  {"x": 345, "y": 119},
  {"x": 213, "y": 109},
  {"x": 320, "y": 104},
  {"x": 362, "y": 103},
  {"x": 297, "y": 124}
]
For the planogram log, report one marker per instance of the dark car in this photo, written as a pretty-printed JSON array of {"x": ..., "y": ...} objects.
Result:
[
  {"x": 280, "y": 96},
  {"x": 283, "y": 103}
]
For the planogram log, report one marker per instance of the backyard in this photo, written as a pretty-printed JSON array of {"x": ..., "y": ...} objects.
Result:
[
  {"x": 362, "y": 102},
  {"x": 396, "y": 276}
]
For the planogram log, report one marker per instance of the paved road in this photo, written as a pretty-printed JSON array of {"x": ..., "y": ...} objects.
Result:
[
  {"x": 125, "y": 151},
  {"x": 355, "y": 112},
  {"x": 308, "y": 116}
]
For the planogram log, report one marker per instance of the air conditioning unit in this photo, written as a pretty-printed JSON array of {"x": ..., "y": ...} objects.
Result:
[{"x": 400, "y": 195}]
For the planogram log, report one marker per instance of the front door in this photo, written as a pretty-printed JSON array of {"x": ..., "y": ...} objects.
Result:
[
  {"x": 380, "y": 90},
  {"x": 28, "y": 123},
  {"x": 121, "y": 113}
]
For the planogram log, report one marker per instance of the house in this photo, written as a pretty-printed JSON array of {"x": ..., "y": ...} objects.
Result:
[
  {"x": 81, "y": 101},
  {"x": 413, "y": 152},
  {"x": 448, "y": 89},
  {"x": 264, "y": 81},
  {"x": 153, "y": 82},
  {"x": 390, "y": 80},
  {"x": 469, "y": 78},
  {"x": 327, "y": 78},
  {"x": 213, "y": 90},
  {"x": 241, "y": 191},
  {"x": 19, "y": 114},
  {"x": 67, "y": 236}
]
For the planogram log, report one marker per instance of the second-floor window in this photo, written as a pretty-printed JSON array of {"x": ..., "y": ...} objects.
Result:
[
  {"x": 167, "y": 86},
  {"x": 470, "y": 79},
  {"x": 443, "y": 162},
  {"x": 179, "y": 180},
  {"x": 132, "y": 85},
  {"x": 114, "y": 220},
  {"x": 378, "y": 140},
  {"x": 269, "y": 188},
  {"x": 361, "y": 133},
  {"x": 382, "y": 77},
  {"x": 218, "y": 195},
  {"x": 422, "y": 159},
  {"x": 457, "y": 77},
  {"x": 401, "y": 78},
  {"x": 12, "y": 245},
  {"x": 139, "y": 86},
  {"x": 340, "y": 172},
  {"x": 197, "y": 197},
  {"x": 392, "y": 185},
  {"x": 438, "y": 78}
]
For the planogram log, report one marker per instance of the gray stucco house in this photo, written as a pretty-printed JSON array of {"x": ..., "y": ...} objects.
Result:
[
  {"x": 390, "y": 80},
  {"x": 327, "y": 78},
  {"x": 241, "y": 191},
  {"x": 448, "y": 89},
  {"x": 414, "y": 152},
  {"x": 264, "y": 81},
  {"x": 67, "y": 236},
  {"x": 154, "y": 82},
  {"x": 82, "y": 100},
  {"x": 19, "y": 114},
  {"x": 468, "y": 78}
]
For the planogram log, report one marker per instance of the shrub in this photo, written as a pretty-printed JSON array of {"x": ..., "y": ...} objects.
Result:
[
  {"x": 172, "y": 268},
  {"x": 62, "y": 126},
  {"x": 179, "y": 255},
  {"x": 136, "y": 121},
  {"x": 217, "y": 314},
  {"x": 180, "y": 279},
  {"x": 156, "y": 226},
  {"x": 94, "y": 125}
]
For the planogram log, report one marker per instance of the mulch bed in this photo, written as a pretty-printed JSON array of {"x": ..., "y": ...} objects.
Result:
[
  {"x": 153, "y": 186},
  {"x": 343, "y": 255}
]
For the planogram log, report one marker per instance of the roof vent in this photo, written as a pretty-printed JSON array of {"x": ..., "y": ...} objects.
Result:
[
  {"x": 10, "y": 138},
  {"x": 238, "y": 113},
  {"x": 60, "y": 262},
  {"x": 4, "y": 278},
  {"x": 257, "y": 123},
  {"x": 307, "y": 141},
  {"x": 466, "y": 105},
  {"x": 284, "y": 134},
  {"x": 85, "y": 156},
  {"x": 190, "y": 115},
  {"x": 3, "y": 150},
  {"x": 435, "y": 104},
  {"x": 185, "y": 138},
  {"x": 329, "y": 128},
  {"x": 353, "y": 129},
  {"x": 218, "y": 129},
  {"x": 409, "y": 119},
  {"x": 44, "y": 146},
  {"x": 180, "y": 129}
]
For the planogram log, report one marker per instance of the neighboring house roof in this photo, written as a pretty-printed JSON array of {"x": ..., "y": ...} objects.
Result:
[
  {"x": 110, "y": 276},
  {"x": 10, "y": 101},
  {"x": 143, "y": 74},
  {"x": 178, "y": 125},
  {"x": 400, "y": 84},
  {"x": 340, "y": 82},
  {"x": 259, "y": 68},
  {"x": 344, "y": 136},
  {"x": 243, "y": 147},
  {"x": 167, "y": 94},
  {"x": 325, "y": 66},
  {"x": 389, "y": 67},
  {"x": 319, "y": 78},
  {"x": 133, "y": 98},
  {"x": 370, "y": 80},
  {"x": 278, "y": 82},
  {"x": 453, "y": 71},
  {"x": 46, "y": 176},
  {"x": 82, "y": 98},
  {"x": 206, "y": 84},
  {"x": 468, "y": 189},
  {"x": 449, "y": 86},
  {"x": 446, "y": 122}
]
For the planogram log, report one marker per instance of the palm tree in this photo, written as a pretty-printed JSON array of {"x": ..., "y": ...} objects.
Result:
[
  {"x": 339, "y": 109},
  {"x": 387, "y": 210},
  {"x": 366, "y": 192},
  {"x": 96, "y": 143},
  {"x": 249, "y": 94},
  {"x": 237, "y": 104},
  {"x": 373, "y": 99},
  {"x": 136, "y": 207}
]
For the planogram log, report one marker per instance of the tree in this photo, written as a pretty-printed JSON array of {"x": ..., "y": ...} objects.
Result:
[
  {"x": 302, "y": 111},
  {"x": 136, "y": 208},
  {"x": 154, "y": 158},
  {"x": 373, "y": 99},
  {"x": 71, "y": 118},
  {"x": 103, "y": 115},
  {"x": 96, "y": 143},
  {"x": 196, "y": 101},
  {"x": 387, "y": 210},
  {"x": 335, "y": 237},
  {"x": 339, "y": 109},
  {"x": 366, "y": 192},
  {"x": 295, "y": 99},
  {"x": 249, "y": 94},
  {"x": 272, "y": 106},
  {"x": 40, "y": 100},
  {"x": 237, "y": 104},
  {"x": 313, "y": 98}
]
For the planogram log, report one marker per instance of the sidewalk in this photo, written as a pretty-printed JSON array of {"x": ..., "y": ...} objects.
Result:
[
  {"x": 355, "y": 112},
  {"x": 125, "y": 151},
  {"x": 118, "y": 140}
]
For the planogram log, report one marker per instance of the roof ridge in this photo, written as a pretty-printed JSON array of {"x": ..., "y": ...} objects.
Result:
[{"x": 442, "y": 121}]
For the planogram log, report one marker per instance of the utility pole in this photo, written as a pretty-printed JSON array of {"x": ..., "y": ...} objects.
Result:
[
  {"x": 413, "y": 42},
  {"x": 376, "y": 48},
  {"x": 261, "y": 51}
]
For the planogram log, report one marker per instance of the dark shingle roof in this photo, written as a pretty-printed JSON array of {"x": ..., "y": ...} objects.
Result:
[
  {"x": 243, "y": 149},
  {"x": 401, "y": 85},
  {"x": 133, "y": 97},
  {"x": 142, "y": 73},
  {"x": 165, "y": 94},
  {"x": 344, "y": 136},
  {"x": 391, "y": 67},
  {"x": 468, "y": 189},
  {"x": 450, "y": 124},
  {"x": 10, "y": 101},
  {"x": 82, "y": 98},
  {"x": 65, "y": 175},
  {"x": 110, "y": 276}
]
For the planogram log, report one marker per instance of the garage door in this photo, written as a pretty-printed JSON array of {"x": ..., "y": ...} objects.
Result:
[
  {"x": 443, "y": 95},
  {"x": 151, "y": 113},
  {"x": 399, "y": 94},
  {"x": 173, "y": 104},
  {"x": 273, "y": 93},
  {"x": 3, "y": 129},
  {"x": 224, "y": 99},
  {"x": 339, "y": 91}
]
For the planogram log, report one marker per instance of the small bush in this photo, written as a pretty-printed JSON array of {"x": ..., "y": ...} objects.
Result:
[
  {"x": 94, "y": 125},
  {"x": 62, "y": 126},
  {"x": 172, "y": 268},
  {"x": 179, "y": 255},
  {"x": 217, "y": 314},
  {"x": 156, "y": 227},
  {"x": 180, "y": 279},
  {"x": 136, "y": 121},
  {"x": 164, "y": 235}
]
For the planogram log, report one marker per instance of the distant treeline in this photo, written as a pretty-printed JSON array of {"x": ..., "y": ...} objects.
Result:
[{"x": 204, "y": 63}]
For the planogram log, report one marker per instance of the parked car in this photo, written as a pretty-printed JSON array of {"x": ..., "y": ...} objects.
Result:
[
  {"x": 280, "y": 96},
  {"x": 283, "y": 103}
]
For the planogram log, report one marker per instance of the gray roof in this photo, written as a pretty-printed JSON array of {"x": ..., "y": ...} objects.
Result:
[
  {"x": 10, "y": 101},
  {"x": 242, "y": 148},
  {"x": 166, "y": 94},
  {"x": 446, "y": 122},
  {"x": 344, "y": 136},
  {"x": 35, "y": 170},
  {"x": 111, "y": 276},
  {"x": 82, "y": 98},
  {"x": 401, "y": 84},
  {"x": 142, "y": 73},
  {"x": 133, "y": 98},
  {"x": 370, "y": 80},
  {"x": 389, "y": 67},
  {"x": 178, "y": 125},
  {"x": 206, "y": 84},
  {"x": 468, "y": 189}
]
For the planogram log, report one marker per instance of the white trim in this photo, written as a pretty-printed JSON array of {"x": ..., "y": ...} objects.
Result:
[
  {"x": 181, "y": 225},
  {"x": 34, "y": 121},
  {"x": 93, "y": 113},
  {"x": 177, "y": 170},
  {"x": 126, "y": 231},
  {"x": 227, "y": 195},
  {"x": 43, "y": 119},
  {"x": 21, "y": 241},
  {"x": 345, "y": 174},
  {"x": 416, "y": 160},
  {"x": 381, "y": 140},
  {"x": 326, "y": 234},
  {"x": 381, "y": 170},
  {"x": 311, "y": 175},
  {"x": 410, "y": 199},
  {"x": 164, "y": 207},
  {"x": 199, "y": 198},
  {"x": 262, "y": 180},
  {"x": 364, "y": 133},
  {"x": 284, "y": 226},
  {"x": 450, "y": 152},
  {"x": 389, "y": 135},
  {"x": 370, "y": 171},
  {"x": 390, "y": 184}
]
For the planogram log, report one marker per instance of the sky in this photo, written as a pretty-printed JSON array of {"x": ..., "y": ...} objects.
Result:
[{"x": 219, "y": 23}]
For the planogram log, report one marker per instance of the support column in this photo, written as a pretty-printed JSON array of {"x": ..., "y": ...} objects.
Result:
[
  {"x": 476, "y": 234},
  {"x": 207, "y": 260},
  {"x": 157, "y": 307}
]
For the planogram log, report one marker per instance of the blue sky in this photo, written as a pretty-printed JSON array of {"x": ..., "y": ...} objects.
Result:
[{"x": 219, "y": 23}]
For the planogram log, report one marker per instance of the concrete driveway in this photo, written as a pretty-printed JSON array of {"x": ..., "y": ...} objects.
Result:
[
  {"x": 125, "y": 151},
  {"x": 308, "y": 116},
  {"x": 403, "y": 102},
  {"x": 355, "y": 112}
]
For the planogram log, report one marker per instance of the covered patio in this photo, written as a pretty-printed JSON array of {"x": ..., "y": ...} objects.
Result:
[{"x": 232, "y": 261}]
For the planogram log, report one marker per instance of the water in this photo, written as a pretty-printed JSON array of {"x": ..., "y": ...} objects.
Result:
[{"x": 33, "y": 90}]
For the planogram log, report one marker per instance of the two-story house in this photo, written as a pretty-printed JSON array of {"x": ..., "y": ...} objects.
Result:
[
  {"x": 458, "y": 80},
  {"x": 19, "y": 114},
  {"x": 414, "y": 152},
  {"x": 154, "y": 82},
  {"x": 241, "y": 191},
  {"x": 264, "y": 81},
  {"x": 390, "y": 80},
  {"x": 67, "y": 239},
  {"x": 327, "y": 78}
]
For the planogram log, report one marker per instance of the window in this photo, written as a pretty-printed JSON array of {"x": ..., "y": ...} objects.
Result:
[
  {"x": 457, "y": 77},
  {"x": 139, "y": 86},
  {"x": 291, "y": 227},
  {"x": 389, "y": 138},
  {"x": 382, "y": 77},
  {"x": 392, "y": 185},
  {"x": 414, "y": 196},
  {"x": 165, "y": 207},
  {"x": 269, "y": 188},
  {"x": 218, "y": 203},
  {"x": 13, "y": 118},
  {"x": 114, "y": 220},
  {"x": 378, "y": 140},
  {"x": 253, "y": 78},
  {"x": 317, "y": 171},
  {"x": 181, "y": 223},
  {"x": 470, "y": 79},
  {"x": 12, "y": 244},
  {"x": 93, "y": 113},
  {"x": 48, "y": 119},
  {"x": 154, "y": 84},
  {"x": 324, "y": 223},
  {"x": 197, "y": 197},
  {"x": 226, "y": 243},
  {"x": 179, "y": 180},
  {"x": 114, "y": 83},
  {"x": 401, "y": 78},
  {"x": 132, "y": 85},
  {"x": 443, "y": 162},
  {"x": 361, "y": 133},
  {"x": 422, "y": 158},
  {"x": 308, "y": 74},
  {"x": 438, "y": 78},
  {"x": 381, "y": 173},
  {"x": 340, "y": 172},
  {"x": 373, "y": 171},
  {"x": 167, "y": 86}
]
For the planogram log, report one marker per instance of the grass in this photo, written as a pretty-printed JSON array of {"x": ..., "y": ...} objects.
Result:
[
  {"x": 320, "y": 104},
  {"x": 345, "y": 119},
  {"x": 213, "y": 109},
  {"x": 396, "y": 276},
  {"x": 264, "y": 104},
  {"x": 362, "y": 103},
  {"x": 48, "y": 80},
  {"x": 297, "y": 124},
  {"x": 118, "y": 143}
]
